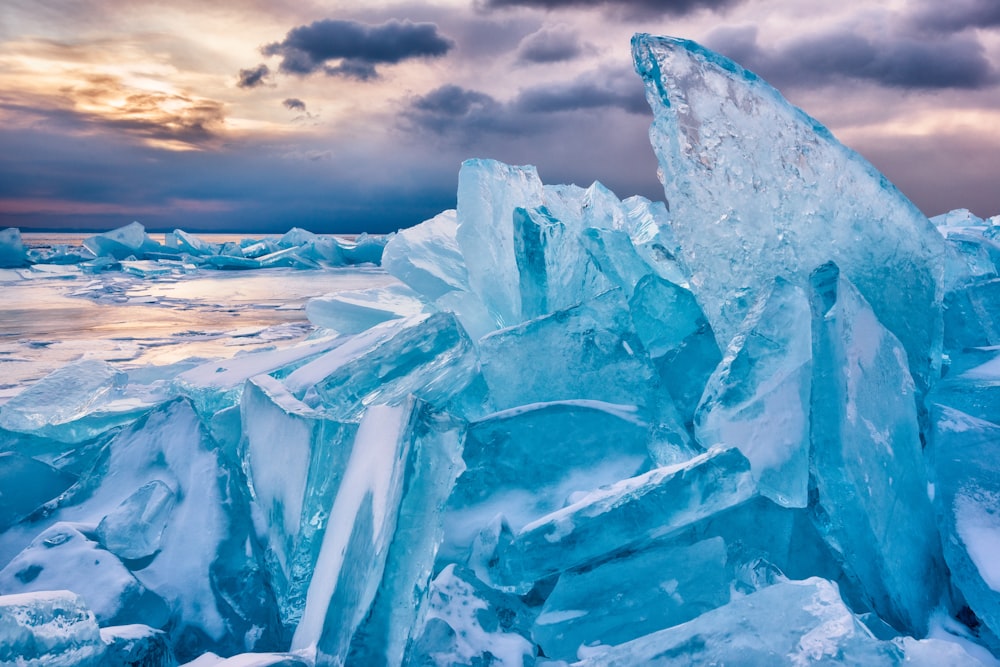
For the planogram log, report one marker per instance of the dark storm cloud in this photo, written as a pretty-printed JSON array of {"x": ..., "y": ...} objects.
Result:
[
  {"x": 897, "y": 61},
  {"x": 956, "y": 15},
  {"x": 550, "y": 45},
  {"x": 622, "y": 7},
  {"x": 294, "y": 104},
  {"x": 357, "y": 47},
  {"x": 253, "y": 77},
  {"x": 458, "y": 113}
]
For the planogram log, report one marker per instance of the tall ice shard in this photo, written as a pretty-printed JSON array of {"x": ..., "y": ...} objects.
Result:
[{"x": 757, "y": 188}]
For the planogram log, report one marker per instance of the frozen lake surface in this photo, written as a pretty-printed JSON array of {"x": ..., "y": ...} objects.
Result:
[{"x": 51, "y": 315}]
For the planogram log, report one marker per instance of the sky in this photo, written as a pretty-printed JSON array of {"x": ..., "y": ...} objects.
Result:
[{"x": 261, "y": 115}]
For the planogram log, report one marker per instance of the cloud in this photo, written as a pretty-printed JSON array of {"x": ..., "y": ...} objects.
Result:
[
  {"x": 957, "y": 15},
  {"x": 550, "y": 45},
  {"x": 631, "y": 8},
  {"x": 294, "y": 104},
  {"x": 253, "y": 77},
  {"x": 458, "y": 112},
  {"x": 355, "y": 47},
  {"x": 893, "y": 60}
]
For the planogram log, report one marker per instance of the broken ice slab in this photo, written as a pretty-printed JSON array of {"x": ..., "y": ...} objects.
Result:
[
  {"x": 516, "y": 465},
  {"x": 231, "y": 262},
  {"x": 50, "y": 629},
  {"x": 465, "y": 622},
  {"x": 352, "y": 558},
  {"x": 217, "y": 385},
  {"x": 554, "y": 272},
  {"x": 650, "y": 231},
  {"x": 866, "y": 457},
  {"x": 354, "y": 311},
  {"x": 430, "y": 357},
  {"x": 758, "y": 189},
  {"x": 205, "y": 566},
  {"x": 364, "y": 249},
  {"x": 791, "y": 623},
  {"x": 965, "y": 486},
  {"x": 612, "y": 252},
  {"x": 61, "y": 557},
  {"x": 972, "y": 316},
  {"x": 427, "y": 257},
  {"x": 190, "y": 244},
  {"x": 136, "y": 645},
  {"x": 25, "y": 485},
  {"x": 122, "y": 243},
  {"x": 758, "y": 397},
  {"x": 528, "y": 363},
  {"x": 488, "y": 193},
  {"x": 147, "y": 268},
  {"x": 434, "y": 462},
  {"x": 13, "y": 253},
  {"x": 134, "y": 529},
  {"x": 972, "y": 257},
  {"x": 624, "y": 516},
  {"x": 677, "y": 337},
  {"x": 632, "y": 596},
  {"x": 294, "y": 459},
  {"x": 72, "y": 404}
]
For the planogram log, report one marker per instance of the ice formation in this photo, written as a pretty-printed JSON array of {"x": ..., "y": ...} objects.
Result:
[{"x": 755, "y": 428}]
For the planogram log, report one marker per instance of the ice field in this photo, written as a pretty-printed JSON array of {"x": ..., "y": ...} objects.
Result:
[{"x": 760, "y": 426}]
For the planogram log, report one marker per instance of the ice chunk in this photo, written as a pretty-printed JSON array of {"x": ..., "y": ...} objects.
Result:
[
  {"x": 191, "y": 244},
  {"x": 488, "y": 193},
  {"x": 435, "y": 461},
  {"x": 63, "y": 558},
  {"x": 469, "y": 623},
  {"x": 528, "y": 363},
  {"x": 137, "y": 646},
  {"x": 791, "y": 623},
  {"x": 122, "y": 243},
  {"x": 972, "y": 316},
  {"x": 13, "y": 254},
  {"x": 429, "y": 357},
  {"x": 427, "y": 258},
  {"x": 49, "y": 629},
  {"x": 364, "y": 249},
  {"x": 624, "y": 515},
  {"x": 231, "y": 262},
  {"x": 758, "y": 397},
  {"x": 217, "y": 385},
  {"x": 294, "y": 497},
  {"x": 554, "y": 271},
  {"x": 352, "y": 312},
  {"x": 86, "y": 407},
  {"x": 632, "y": 596},
  {"x": 611, "y": 250},
  {"x": 517, "y": 465},
  {"x": 757, "y": 188},
  {"x": 134, "y": 530},
  {"x": 26, "y": 484},
  {"x": 352, "y": 558},
  {"x": 677, "y": 337},
  {"x": 866, "y": 457},
  {"x": 965, "y": 465}
]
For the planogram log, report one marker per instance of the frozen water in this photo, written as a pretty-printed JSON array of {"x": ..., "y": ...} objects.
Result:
[
  {"x": 353, "y": 312},
  {"x": 137, "y": 645},
  {"x": 749, "y": 181},
  {"x": 50, "y": 629},
  {"x": 866, "y": 459},
  {"x": 758, "y": 397},
  {"x": 13, "y": 254},
  {"x": 134, "y": 529},
  {"x": 792, "y": 623}
]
